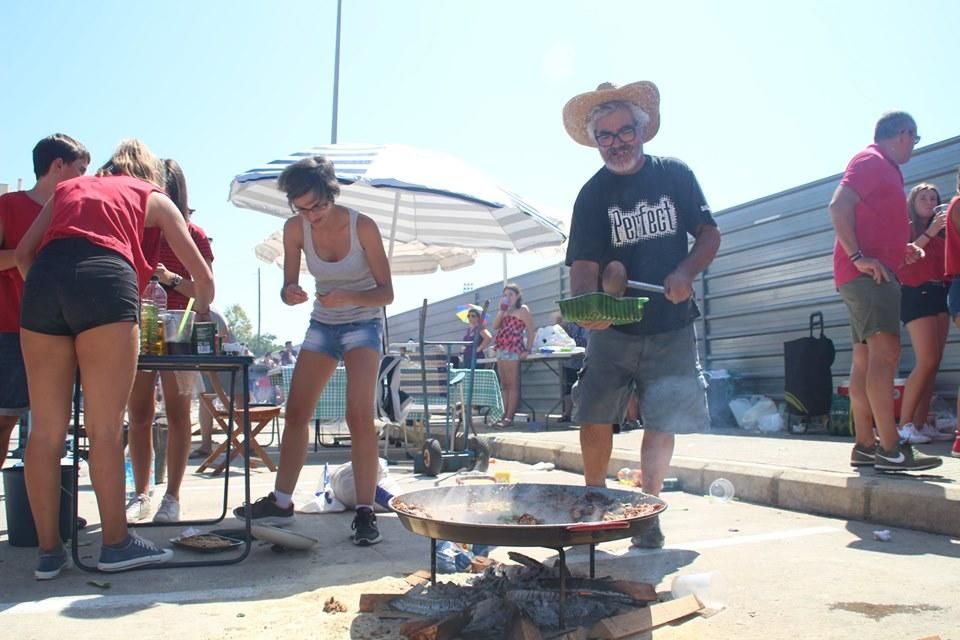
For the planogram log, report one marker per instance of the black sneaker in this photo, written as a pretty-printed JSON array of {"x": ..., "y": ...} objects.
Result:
[
  {"x": 266, "y": 511},
  {"x": 904, "y": 458},
  {"x": 862, "y": 456},
  {"x": 365, "y": 531}
]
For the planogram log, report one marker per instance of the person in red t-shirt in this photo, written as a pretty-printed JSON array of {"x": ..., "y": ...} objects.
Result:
[
  {"x": 84, "y": 268},
  {"x": 55, "y": 158},
  {"x": 923, "y": 310},
  {"x": 177, "y": 386},
  {"x": 869, "y": 213},
  {"x": 953, "y": 272}
]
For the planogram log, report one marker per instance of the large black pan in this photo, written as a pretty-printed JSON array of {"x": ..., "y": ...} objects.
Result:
[{"x": 484, "y": 514}]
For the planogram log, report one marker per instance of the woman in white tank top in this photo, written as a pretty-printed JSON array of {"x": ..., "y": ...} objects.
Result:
[{"x": 345, "y": 255}]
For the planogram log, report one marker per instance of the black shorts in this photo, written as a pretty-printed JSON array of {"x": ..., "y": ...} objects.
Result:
[
  {"x": 929, "y": 299},
  {"x": 74, "y": 286},
  {"x": 14, "y": 400}
]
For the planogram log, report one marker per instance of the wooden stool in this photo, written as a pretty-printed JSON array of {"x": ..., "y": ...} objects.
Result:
[{"x": 260, "y": 417}]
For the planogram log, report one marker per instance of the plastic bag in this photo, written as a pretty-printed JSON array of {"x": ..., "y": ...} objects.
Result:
[
  {"x": 552, "y": 336},
  {"x": 341, "y": 481},
  {"x": 323, "y": 499},
  {"x": 756, "y": 413},
  {"x": 451, "y": 557}
]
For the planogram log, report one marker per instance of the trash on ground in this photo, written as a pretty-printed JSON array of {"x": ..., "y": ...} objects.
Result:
[
  {"x": 100, "y": 584},
  {"x": 334, "y": 606},
  {"x": 883, "y": 535},
  {"x": 543, "y": 466}
]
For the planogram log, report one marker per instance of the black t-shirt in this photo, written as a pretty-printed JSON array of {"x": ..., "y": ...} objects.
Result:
[{"x": 642, "y": 220}]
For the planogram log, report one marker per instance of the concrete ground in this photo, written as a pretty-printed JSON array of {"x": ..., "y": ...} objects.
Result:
[{"x": 780, "y": 573}]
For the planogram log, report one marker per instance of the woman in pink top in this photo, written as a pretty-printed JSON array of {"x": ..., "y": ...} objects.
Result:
[
  {"x": 923, "y": 311},
  {"x": 84, "y": 267},
  {"x": 515, "y": 333}
]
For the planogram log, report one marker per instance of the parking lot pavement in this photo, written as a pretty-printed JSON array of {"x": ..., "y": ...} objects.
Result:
[{"x": 780, "y": 574}]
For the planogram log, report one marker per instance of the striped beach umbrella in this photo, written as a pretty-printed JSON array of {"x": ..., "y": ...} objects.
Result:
[
  {"x": 409, "y": 258},
  {"x": 414, "y": 195}
]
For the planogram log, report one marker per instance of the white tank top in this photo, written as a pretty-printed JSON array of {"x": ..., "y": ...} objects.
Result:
[{"x": 352, "y": 273}]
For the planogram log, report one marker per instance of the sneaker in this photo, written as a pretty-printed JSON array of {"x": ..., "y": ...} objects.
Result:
[
  {"x": 911, "y": 435},
  {"x": 934, "y": 434},
  {"x": 138, "y": 508},
  {"x": 130, "y": 554},
  {"x": 651, "y": 537},
  {"x": 50, "y": 564},
  {"x": 365, "y": 531},
  {"x": 863, "y": 457},
  {"x": 266, "y": 511},
  {"x": 169, "y": 510},
  {"x": 904, "y": 458},
  {"x": 955, "y": 451}
]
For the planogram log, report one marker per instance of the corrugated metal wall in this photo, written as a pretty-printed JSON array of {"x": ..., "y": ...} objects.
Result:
[{"x": 773, "y": 270}]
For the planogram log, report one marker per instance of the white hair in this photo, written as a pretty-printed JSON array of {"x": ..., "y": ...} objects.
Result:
[{"x": 640, "y": 117}]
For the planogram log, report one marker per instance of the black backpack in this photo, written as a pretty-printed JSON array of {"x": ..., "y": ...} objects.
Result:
[{"x": 808, "y": 382}]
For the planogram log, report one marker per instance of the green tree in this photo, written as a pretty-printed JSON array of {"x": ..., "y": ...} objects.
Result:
[{"x": 242, "y": 330}]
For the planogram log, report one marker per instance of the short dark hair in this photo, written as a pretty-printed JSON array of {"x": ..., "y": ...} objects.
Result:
[
  {"x": 892, "y": 123},
  {"x": 314, "y": 174},
  {"x": 176, "y": 186},
  {"x": 59, "y": 145}
]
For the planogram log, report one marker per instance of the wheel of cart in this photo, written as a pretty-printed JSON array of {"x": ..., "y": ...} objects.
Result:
[{"x": 452, "y": 450}]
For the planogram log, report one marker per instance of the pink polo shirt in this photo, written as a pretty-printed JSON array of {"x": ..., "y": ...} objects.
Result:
[{"x": 881, "y": 223}]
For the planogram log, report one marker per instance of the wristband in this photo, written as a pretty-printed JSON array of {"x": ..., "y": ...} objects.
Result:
[
  {"x": 929, "y": 237},
  {"x": 856, "y": 256}
]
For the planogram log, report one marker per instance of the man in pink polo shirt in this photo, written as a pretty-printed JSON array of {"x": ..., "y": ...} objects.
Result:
[{"x": 869, "y": 214}]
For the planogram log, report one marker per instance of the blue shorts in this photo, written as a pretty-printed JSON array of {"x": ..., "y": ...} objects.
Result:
[
  {"x": 14, "y": 399},
  {"x": 335, "y": 340},
  {"x": 508, "y": 355},
  {"x": 953, "y": 298},
  {"x": 663, "y": 367}
]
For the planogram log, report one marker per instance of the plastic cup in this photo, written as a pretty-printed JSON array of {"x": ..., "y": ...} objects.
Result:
[
  {"x": 721, "y": 490},
  {"x": 707, "y": 587},
  {"x": 178, "y": 334}
]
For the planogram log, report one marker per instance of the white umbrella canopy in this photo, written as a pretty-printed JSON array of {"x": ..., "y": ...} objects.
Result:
[
  {"x": 409, "y": 258},
  {"x": 414, "y": 195}
]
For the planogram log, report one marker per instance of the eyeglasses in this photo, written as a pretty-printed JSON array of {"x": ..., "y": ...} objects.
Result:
[
  {"x": 626, "y": 135},
  {"x": 317, "y": 206},
  {"x": 913, "y": 134}
]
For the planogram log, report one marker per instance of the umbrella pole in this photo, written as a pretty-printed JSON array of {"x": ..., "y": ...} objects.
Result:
[{"x": 393, "y": 234}]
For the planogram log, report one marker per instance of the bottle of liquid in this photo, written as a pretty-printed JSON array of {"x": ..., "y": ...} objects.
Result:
[{"x": 153, "y": 305}]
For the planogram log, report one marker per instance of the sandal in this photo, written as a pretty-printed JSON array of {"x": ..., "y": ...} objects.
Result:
[
  {"x": 199, "y": 454},
  {"x": 502, "y": 423}
]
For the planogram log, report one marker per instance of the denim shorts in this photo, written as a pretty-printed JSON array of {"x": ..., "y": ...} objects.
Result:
[
  {"x": 664, "y": 368},
  {"x": 507, "y": 355},
  {"x": 14, "y": 399},
  {"x": 953, "y": 298},
  {"x": 335, "y": 340}
]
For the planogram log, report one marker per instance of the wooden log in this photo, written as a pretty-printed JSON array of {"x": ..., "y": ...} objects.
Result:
[
  {"x": 641, "y": 620},
  {"x": 522, "y": 628},
  {"x": 445, "y": 629},
  {"x": 418, "y": 577},
  {"x": 569, "y": 634},
  {"x": 639, "y": 591},
  {"x": 370, "y": 602}
]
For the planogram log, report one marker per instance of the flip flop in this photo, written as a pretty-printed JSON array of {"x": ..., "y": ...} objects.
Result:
[{"x": 502, "y": 423}]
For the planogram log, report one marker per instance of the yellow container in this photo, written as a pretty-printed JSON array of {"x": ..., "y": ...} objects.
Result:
[{"x": 503, "y": 477}]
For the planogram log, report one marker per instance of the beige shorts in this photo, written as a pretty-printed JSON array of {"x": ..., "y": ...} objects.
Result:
[{"x": 873, "y": 308}]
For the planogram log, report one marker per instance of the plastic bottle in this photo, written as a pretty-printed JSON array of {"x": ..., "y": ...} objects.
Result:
[
  {"x": 629, "y": 477},
  {"x": 153, "y": 305}
]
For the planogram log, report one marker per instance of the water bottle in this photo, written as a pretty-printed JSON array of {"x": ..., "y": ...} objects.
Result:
[
  {"x": 128, "y": 474},
  {"x": 153, "y": 305}
]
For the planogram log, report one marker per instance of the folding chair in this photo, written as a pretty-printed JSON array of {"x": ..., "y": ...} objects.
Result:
[{"x": 393, "y": 405}]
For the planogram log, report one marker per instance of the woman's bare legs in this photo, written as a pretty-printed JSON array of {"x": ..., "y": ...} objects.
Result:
[
  {"x": 51, "y": 365},
  {"x": 928, "y": 336},
  {"x": 363, "y": 366},
  {"x": 509, "y": 373},
  {"x": 141, "y": 410},
  {"x": 176, "y": 403},
  {"x": 310, "y": 376}
]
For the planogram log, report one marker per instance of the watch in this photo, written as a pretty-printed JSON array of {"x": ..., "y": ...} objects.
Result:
[{"x": 175, "y": 281}]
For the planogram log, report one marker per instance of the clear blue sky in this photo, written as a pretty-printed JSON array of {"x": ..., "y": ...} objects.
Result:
[{"x": 756, "y": 96}]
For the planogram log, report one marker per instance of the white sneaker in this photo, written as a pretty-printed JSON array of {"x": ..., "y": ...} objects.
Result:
[
  {"x": 138, "y": 508},
  {"x": 169, "y": 510},
  {"x": 929, "y": 431},
  {"x": 910, "y": 434}
]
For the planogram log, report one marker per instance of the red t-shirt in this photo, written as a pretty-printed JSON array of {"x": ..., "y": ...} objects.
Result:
[
  {"x": 881, "y": 223},
  {"x": 175, "y": 299},
  {"x": 928, "y": 268},
  {"x": 952, "y": 261},
  {"x": 17, "y": 213},
  {"x": 109, "y": 212}
]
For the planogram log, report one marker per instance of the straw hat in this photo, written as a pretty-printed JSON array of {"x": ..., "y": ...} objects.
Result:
[{"x": 644, "y": 94}]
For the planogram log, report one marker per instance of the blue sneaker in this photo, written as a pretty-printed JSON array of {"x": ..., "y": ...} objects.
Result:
[
  {"x": 130, "y": 554},
  {"x": 51, "y": 563}
]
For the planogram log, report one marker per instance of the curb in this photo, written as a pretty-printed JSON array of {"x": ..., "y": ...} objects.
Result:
[{"x": 890, "y": 501}]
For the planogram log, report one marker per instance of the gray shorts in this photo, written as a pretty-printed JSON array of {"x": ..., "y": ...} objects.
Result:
[
  {"x": 873, "y": 308},
  {"x": 664, "y": 367}
]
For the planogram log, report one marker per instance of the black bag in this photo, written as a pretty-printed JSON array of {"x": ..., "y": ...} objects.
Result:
[{"x": 808, "y": 382}]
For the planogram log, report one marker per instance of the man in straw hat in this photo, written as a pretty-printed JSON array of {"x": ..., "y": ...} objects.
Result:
[
  {"x": 869, "y": 213},
  {"x": 631, "y": 221}
]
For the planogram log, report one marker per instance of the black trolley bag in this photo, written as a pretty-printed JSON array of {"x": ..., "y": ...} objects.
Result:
[{"x": 808, "y": 382}]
